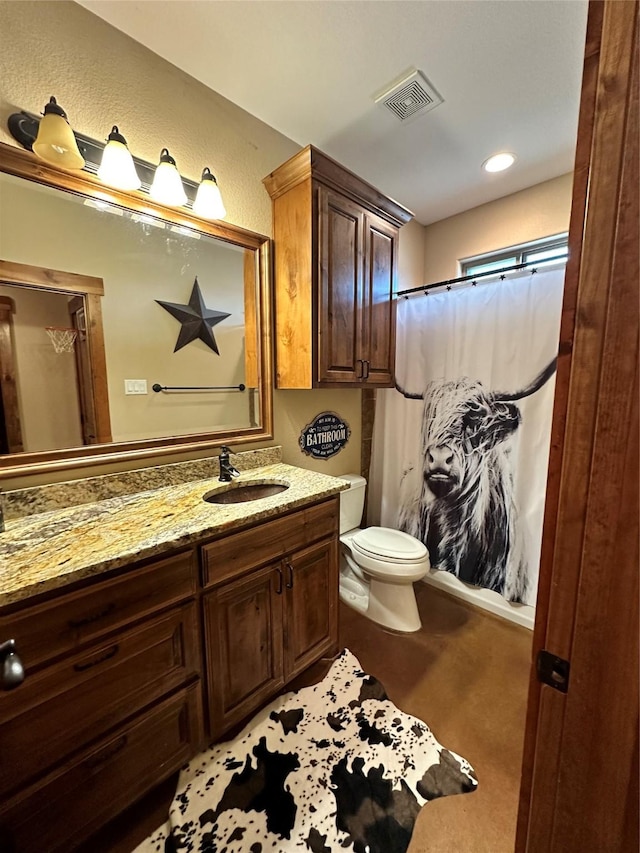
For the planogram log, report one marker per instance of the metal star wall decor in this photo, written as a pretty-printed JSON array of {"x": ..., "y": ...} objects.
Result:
[{"x": 197, "y": 320}]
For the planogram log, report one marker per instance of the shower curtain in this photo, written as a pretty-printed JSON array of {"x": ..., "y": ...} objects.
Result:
[{"x": 461, "y": 447}]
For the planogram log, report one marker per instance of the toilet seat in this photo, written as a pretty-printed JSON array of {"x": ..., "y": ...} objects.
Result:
[
  {"x": 388, "y": 555},
  {"x": 387, "y": 544}
]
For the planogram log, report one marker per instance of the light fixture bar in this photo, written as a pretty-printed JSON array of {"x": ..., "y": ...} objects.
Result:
[{"x": 23, "y": 126}]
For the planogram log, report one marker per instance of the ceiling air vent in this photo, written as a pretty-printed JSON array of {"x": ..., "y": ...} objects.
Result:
[{"x": 410, "y": 96}]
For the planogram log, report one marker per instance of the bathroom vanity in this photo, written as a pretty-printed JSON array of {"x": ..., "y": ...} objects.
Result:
[{"x": 149, "y": 625}]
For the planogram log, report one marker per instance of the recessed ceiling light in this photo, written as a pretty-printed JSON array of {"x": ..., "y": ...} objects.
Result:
[{"x": 499, "y": 162}]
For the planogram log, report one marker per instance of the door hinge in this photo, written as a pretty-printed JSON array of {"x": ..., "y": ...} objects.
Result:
[{"x": 553, "y": 670}]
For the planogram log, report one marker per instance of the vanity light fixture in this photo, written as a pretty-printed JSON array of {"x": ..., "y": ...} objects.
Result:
[
  {"x": 167, "y": 184},
  {"x": 208, "y": 202},
  {"x": 77, "y": 151},
  {"x": 499, "y": 162},
  {"x": 55, "y": 142},
  {"x": 117, "y": 168}
]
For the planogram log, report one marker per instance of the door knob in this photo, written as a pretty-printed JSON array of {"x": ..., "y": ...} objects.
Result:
[{"x": 12, "y": 672}]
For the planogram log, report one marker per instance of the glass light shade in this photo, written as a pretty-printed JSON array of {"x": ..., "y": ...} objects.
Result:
[
  {"x": 499, "y": 162},
  {"x": 55, "y": 142},
  {"x": 166, "y": 187},
  {"x": 117, "y": 168},
  {"x": 208, "y": 202}
]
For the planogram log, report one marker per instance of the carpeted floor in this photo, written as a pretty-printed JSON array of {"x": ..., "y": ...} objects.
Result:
[{"x": 466, "y": 672}]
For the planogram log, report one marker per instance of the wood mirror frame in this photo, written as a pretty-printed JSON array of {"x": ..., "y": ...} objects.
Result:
[{"x": 24, "y": 164}]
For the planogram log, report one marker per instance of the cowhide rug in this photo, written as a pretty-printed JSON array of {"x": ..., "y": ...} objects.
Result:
[{"x": 332, "y": 767}]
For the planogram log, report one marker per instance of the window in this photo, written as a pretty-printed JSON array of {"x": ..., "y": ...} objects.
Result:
[{"x": 538, "y": 252}]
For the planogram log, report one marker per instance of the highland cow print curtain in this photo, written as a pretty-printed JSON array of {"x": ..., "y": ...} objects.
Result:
[{"x": 461, "y": 449}]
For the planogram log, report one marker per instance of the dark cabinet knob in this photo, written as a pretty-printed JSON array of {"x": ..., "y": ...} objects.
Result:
[{"x": 12, "y": 673}]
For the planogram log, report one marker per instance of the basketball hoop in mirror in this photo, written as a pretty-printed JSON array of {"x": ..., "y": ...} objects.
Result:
[{"x": 63, "y": 339}]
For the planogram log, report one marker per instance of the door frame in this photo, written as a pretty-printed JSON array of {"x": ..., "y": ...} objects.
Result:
[
  {"x": 8, "y": 379},
  {"x": 579, "y": 786},
  {"x": 91, "y": 290}
]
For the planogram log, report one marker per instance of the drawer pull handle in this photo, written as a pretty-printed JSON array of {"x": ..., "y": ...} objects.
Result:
[
  {"x": 279, "y": 590},
  {"x": 94, "y": 617},
  {"x": 108, "y": 752},
  {"x": 360, "y": 369},
  {"x": 101, "y": 658},
  {"x": 366, "y": 375},
  {"x": 290, "y": 581},
  {"x": 12, "y": 672}
]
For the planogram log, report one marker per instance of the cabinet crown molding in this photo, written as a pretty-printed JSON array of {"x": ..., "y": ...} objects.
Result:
[{"x": 311, "y": 163}]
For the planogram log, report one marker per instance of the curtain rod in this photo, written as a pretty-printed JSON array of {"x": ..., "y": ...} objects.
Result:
[{"x": 500, "y": 272}]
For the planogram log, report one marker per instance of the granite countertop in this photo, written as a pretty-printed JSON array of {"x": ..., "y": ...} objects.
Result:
[{"x": 52, "y": 549}]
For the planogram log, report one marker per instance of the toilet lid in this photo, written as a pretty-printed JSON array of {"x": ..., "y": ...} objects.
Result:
[{"x": 390, "y": 544}]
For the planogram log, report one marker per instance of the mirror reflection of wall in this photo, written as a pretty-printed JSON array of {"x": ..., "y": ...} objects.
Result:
[
  {"x": 46, "y": 382},
  {"x": 140, "y": 260}
]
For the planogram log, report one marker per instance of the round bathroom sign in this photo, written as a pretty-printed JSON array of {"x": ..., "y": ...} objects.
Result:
[{"x": 325, "y": 436}]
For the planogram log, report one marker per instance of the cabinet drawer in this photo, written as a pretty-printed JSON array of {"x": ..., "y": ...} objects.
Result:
[
  {"x": 267, "y": 542},
  {"x": 67, "y": 705},
  {"x": 75, "y": 800},
  {"x": 44, "y": 631}
]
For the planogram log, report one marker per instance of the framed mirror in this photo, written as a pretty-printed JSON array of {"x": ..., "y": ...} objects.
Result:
[{"x": 127, "y": 329}]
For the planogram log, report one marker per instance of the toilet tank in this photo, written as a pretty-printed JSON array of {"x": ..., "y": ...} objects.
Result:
[{"x": 352, "y": 502}]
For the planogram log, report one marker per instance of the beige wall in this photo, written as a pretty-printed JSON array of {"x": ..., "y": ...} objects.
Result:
[
  {"x": 411, "y": 256},
  {"x": 102, "y": 77},
  {"x": 540, "y": 211}
]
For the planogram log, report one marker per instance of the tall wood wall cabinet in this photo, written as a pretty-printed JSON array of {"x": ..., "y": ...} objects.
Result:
[{"x": 335, "y": 248}]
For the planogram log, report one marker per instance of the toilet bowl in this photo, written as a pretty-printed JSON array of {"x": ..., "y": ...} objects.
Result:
[{"x": 378, "y": 565}]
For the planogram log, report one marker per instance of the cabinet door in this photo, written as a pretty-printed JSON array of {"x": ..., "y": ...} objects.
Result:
[
  {"x": 243, "y": 636},
  {"x": 311, "y": 606},
  {"x": 339, "y": 259},
  {"x": 378, "y": 305}
]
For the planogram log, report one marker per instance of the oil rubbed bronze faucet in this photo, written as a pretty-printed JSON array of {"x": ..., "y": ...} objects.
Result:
[{"x": 227, "y": 471}]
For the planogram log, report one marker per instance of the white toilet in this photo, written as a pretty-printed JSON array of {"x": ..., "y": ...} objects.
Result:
[{"x": 378, "y": 565}]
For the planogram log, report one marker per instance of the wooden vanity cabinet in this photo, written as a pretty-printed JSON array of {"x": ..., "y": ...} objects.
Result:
[
  {"x": 110, "y": 706},
  {"x": 335, "y": 246},
  {"x": 112, "y": 702},
  {"x": 265, "y": 624}
]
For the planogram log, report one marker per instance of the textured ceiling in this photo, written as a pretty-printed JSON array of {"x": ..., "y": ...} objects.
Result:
[{"x": 509, "y": 72}]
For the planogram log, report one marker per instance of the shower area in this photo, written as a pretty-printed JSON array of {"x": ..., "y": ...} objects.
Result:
[{"x": 460, "y": 447}]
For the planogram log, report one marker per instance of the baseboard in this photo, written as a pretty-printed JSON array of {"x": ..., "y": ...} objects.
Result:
[{"x": 521, "y": 614}]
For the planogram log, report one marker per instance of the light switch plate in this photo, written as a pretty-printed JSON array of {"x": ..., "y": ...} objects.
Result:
[{"x": 135, "y": 386}]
